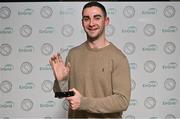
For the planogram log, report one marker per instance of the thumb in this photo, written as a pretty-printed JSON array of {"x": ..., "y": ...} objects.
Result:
[{"x": 73, "y": 89}]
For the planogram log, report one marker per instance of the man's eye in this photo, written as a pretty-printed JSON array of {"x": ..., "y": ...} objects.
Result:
[
  {"x": 85, "y": 19},
  {"x": 97, "y": 18}
]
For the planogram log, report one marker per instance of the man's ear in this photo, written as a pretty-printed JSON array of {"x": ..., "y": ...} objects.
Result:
[
  {"x": 82, "y": 23},
  {"x": 107, "y": 21}
]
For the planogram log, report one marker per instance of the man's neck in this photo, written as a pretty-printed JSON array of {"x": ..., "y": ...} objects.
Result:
[{"x": 99, "y": 43}]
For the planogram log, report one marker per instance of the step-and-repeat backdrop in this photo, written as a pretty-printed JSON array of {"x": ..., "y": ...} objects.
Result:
[{"x": 147, "y": 32}]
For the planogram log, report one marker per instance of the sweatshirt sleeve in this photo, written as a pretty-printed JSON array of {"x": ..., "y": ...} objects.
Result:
[{"x": 119, "y": 100}]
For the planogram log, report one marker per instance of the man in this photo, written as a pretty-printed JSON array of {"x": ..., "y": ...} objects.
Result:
[{"x": 96, "y": 71}]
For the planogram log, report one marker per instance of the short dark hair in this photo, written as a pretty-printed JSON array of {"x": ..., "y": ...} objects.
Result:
[{"x": 95, "y": 4}]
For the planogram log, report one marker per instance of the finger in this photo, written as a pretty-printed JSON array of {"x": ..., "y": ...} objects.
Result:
[
  {"x": 71, "y": 107},
  {"x": 53, "y": 57},
  {"x": 69, "y": 99},
  {"x": 59, "y": 57}
]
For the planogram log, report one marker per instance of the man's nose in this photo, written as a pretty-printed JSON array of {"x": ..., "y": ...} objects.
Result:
[{"x": 91, "y": 22}]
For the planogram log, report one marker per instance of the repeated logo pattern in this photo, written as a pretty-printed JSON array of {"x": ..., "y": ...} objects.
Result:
[
  {"x": 47, "y": 86},
  {"x": 47, "y": 49},
  {"x": 5, "y": 86},
  {"x": 27, "y": 104},
  {"x": 150, "y": 102},
  {"x": 5, "y": 49},
  {"x": 147, "y": 33},
  {"x": 5, "y": 12},
  {"x": 25, "y": 31},
  {"x": 129, "y": 11},
  {"x": 46, "y": 12},
  {"x": 169, "y": 11},
  {"x": 26, "y": 68}
]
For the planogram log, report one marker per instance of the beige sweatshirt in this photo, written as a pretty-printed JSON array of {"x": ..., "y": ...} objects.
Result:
[{"x": 102, "y": 76}]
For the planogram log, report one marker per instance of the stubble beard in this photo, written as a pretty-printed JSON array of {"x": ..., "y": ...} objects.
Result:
[{"x": 94, "y": 38}]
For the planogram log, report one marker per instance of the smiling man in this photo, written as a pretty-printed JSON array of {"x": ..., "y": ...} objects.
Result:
[{"x": 97, "y": 71}]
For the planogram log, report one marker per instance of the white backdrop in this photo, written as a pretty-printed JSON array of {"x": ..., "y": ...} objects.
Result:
[{"x": 147, "y": 32}]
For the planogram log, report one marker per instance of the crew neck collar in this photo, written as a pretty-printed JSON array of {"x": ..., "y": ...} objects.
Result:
[{"x": 97, "y": 49}]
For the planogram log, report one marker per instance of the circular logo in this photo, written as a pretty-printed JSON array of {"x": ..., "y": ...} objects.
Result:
[
  {"x": 150, "y": 102},
  {"x": 149, "y": 66},
  {"x": 169, "y": 48},
  {"x": 5, "y": 12},
  {"x": 170, "y": 84},
  {"x": 5, "y": 86},
  {"x": 130, "y": 117},
  {"x": 47, "y": 86},
  {"x": 46, "y": 49},
  {"x": 129, "y": 48},
  {"x": 169, "y": 11},
  {"x": 67, "y": 30},
  {"x": 110, "y": 30},
  {"x": 65, "y": 105},
  {"x": 170, "y": 116},
  {"x": 25, "y": 31},
  {"x": 133, "y": 84},
  {"x": 46, "y": 12},
  {"x": 5, "y": 49},
  {"x": 149, "y": 30},
  {"x": 129, "y": 11},
  {"x": 27, "y": 104},
  {"x": 26, "y": 68}
]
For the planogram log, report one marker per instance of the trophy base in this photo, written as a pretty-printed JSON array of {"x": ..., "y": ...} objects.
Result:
[{"x": 64, "y": 94}]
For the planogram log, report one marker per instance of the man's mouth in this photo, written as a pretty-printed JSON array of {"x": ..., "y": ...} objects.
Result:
[{"x": 92, "y": 29}]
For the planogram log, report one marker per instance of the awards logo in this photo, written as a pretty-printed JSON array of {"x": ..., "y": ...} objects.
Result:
[
  {"x": 149, "y": 66},
  {"x": 129, "y": 48},
  {"x": 169, "y": 11},
  {"x": 27, "y": 104},
  {"x": 67, "y": 30},
  {"x": 46, "y": 49},
  {"x": 150, "y": 102},
  {"x": 47, "y": 86},
  {"x": 110, "y": 30},
  {"x": 46, "y": 12},
  {"x": 5, "y": 86},
  {"x": 5, "y": 12},
  {"x": 169, "y": 84},
  {"x": 149, "y": 30},
  {"x": 25, "y": 31},
  {"x": 26, "y": 68},
  {"x": 129, "y": 11},
  {"x": 169, "y": 48},
  {"x": 5, "y": 49}
]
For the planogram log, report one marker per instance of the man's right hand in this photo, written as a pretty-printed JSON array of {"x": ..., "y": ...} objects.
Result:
[{"x": 59, "y": 69}]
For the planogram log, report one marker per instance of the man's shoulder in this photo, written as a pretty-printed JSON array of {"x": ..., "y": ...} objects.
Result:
[
  {"x": 117, "y": 51},
  {"x": 78, "y": 48}
]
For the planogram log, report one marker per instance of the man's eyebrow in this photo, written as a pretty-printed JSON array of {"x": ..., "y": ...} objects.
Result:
[
  {"x": 97, "y": 15},
  {"x": 85, "y": 16}
]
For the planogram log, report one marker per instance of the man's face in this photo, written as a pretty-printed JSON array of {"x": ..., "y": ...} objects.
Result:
[{"x": 94, "y": 22}]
